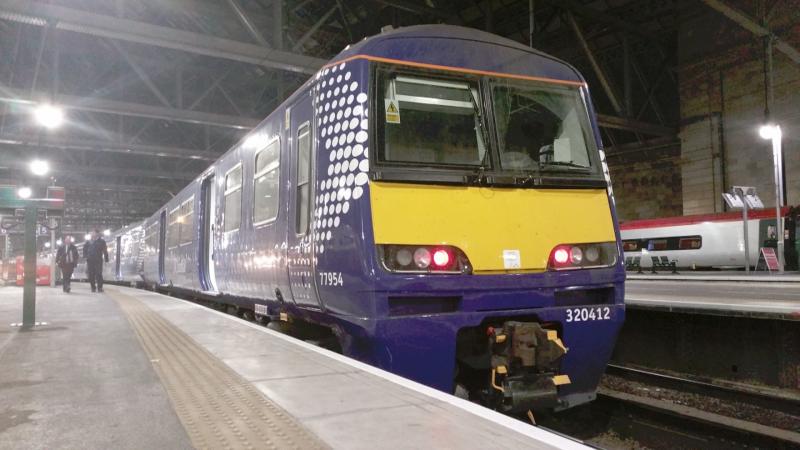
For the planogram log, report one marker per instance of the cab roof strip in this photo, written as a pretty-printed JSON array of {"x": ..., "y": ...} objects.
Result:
[
  {"x": 447, "y": 45},
  {"x": 460, "y": 70}
]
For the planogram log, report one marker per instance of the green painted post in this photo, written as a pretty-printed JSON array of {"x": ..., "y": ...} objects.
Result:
[{"x": 29, "y": 291}]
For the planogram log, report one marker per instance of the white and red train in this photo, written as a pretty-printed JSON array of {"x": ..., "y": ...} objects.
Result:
[{"x": 709, "y": 240}]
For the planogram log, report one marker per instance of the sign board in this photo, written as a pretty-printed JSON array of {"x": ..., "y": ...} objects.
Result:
[
  {"x": 733, "y": 201},
  {"x": 770, "y": 258},
  {"x": 753, "y": 201},
  {"x": 53, "y": 201}
]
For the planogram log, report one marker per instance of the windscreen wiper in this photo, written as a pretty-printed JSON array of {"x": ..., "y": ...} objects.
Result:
[{"x": 556, "y": 165}]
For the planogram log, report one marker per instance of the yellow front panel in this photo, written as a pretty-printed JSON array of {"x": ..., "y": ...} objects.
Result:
[{"x": 485, "y": 221}]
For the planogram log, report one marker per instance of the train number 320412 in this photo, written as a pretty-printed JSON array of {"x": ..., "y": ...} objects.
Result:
[{"x": 587, "y": 314}]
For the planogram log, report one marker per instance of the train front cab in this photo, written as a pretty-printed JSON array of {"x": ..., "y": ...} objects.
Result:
[{"x": 490, "y": 252}]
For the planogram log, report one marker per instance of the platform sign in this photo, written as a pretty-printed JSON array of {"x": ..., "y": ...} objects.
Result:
[
  {"x": 770, "y": 258},
  {"x": 733, "y": 201}
]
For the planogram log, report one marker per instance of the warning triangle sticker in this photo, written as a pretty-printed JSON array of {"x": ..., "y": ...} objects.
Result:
[{"x": 392, "y": 111}]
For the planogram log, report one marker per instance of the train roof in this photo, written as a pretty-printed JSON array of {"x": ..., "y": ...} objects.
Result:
[
  {"x": 460, "y": 47},
  {"x": 754, "y": 214}
]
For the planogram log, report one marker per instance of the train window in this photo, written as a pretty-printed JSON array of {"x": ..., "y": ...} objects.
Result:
[
  {"x": 303, "y": 178},
  {"x": 630, "y": 246},
  {"x": 173, "y": 228},
  {"x": 232, "y": 212},
  {"x": 540, "y": 127},
  {"x": 186, "y": 221},
  {"x": 432, "y": 122},
  {"x": 690, "y": 243},
  {"x": 151, "y": 239},
  {"x": 267, "y": 188},
  {"x": 658, "y": 244}
]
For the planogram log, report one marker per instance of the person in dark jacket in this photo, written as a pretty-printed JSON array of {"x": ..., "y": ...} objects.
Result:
[
  {"x": 67, "y": 258},
  {"x": 95, "y": 252}
]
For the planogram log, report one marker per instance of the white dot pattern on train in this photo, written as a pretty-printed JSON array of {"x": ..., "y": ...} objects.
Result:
[{"x": 342, "y": 112}]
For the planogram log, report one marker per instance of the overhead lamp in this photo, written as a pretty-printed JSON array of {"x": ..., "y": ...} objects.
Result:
[
  {"x": 59, "y": 242},
  {"x": 24, "y": 192},
  {"x": 49, "y": 116},
  {"x": 46, "y": 245},
  {"x": 770, "y": 131},
  {"x": 39, "y": 167}
]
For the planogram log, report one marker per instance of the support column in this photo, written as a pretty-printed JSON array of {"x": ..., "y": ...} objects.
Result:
[{"x": 29, "y": 291}]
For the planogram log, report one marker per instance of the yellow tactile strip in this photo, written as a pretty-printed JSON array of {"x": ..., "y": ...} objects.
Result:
[{"x": 218, "y": 408}]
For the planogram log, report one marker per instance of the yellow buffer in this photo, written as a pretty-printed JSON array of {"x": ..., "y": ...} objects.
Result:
[{"x": 491, "y": 225}]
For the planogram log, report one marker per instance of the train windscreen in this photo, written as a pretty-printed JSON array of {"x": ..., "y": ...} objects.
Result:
[
  {"x": 432, "y": 122},
  {"x": 483, "y": 130},
  {"x": 540, "y": 127}
]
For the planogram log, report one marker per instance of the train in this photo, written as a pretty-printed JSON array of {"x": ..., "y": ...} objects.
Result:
[
  {"x": 435, "y": 196},
  {"x": 710, "y": 241}
]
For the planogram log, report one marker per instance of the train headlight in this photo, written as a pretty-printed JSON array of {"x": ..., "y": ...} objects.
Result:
[
  {"x": 424, "y": 259},
  {"x": 582, "y": 256},
  {"x": 592, "y": 253},
  {"x": 576, "y": 254},
  {"x": 403, "y": 257}
]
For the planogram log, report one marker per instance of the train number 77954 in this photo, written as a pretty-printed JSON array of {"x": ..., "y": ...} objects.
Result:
[{"x": 587, "y": 314}]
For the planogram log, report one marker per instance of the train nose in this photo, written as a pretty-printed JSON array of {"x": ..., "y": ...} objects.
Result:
[{"x": 499, "y": 229}]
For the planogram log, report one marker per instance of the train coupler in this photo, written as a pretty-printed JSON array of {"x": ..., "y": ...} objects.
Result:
[{"x": 525, "y": 359}]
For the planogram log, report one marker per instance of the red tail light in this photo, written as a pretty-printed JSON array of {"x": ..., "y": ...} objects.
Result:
[{"x": 441, "y": 258}]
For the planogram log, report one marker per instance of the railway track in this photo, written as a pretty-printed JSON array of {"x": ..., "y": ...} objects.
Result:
[
  {"x": 762, "y": 397},
  {"x": 620, "y": 420}
]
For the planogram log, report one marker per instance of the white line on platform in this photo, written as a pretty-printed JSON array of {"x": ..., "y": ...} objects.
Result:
[{"x": 716, "y": 305}]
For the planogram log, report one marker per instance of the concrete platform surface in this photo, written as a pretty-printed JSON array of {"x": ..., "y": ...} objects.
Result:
[
  {"x": 134, "y": 369},
  {"x": 778, "y": 300},
  {"x": 720, "y": 275}
]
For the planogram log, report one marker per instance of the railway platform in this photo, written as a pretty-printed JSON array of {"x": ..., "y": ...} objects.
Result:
[
  {"x": 762, "y": 298},
  {"x": 729, "y": 276},
  {"x": 742, "y": 332},
  {"x": 134, "y": 369}
]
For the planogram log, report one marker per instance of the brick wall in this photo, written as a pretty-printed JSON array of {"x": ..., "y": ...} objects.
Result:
[
  {"x": 647, "y": 184},
  {"x": 722, "y": 95}
]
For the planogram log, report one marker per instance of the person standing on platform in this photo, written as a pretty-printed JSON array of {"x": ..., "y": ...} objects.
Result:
[
  {"x": 67, "y": 258},
  {"x": 95, "y": 252}
]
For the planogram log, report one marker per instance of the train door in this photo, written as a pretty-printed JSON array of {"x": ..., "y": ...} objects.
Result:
[
  {"x": 299, "y": 237},
  {"x": 118, "y": 258},
  {"x": 162, "y": 244},
  {"x": 206, "y": 247}
]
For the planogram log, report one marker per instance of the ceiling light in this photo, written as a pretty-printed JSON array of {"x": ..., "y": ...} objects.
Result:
[
  {"x": 39, "y": 167},
  {"x": 49, "y": 116}
]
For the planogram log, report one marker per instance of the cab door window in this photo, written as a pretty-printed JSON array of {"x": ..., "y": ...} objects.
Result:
[{"x": 303, "y": 178}]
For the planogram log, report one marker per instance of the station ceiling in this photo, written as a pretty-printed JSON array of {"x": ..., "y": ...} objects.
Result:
[{"x": 155, "y": 90}]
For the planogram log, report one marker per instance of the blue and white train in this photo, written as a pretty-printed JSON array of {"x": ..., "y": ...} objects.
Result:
[{"x": 436, "y": 196}]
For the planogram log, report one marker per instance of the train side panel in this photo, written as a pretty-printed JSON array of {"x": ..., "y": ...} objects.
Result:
[
  {"x": 180, "y": 257},
  {"x": 149, "y": 251},
  {"x": 131, "y": 242},
  {"x": 722, "y": 244}
]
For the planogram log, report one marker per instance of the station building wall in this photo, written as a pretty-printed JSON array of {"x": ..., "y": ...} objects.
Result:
[
  {"x": 647, "y": 183},
  {"x": 722, "y": 99}
]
